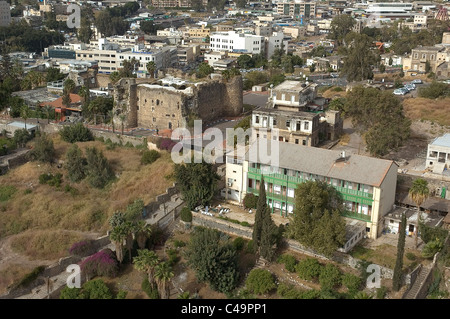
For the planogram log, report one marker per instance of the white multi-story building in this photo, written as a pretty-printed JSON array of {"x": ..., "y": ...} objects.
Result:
[
  {"x": 276, "y": 41},
  {"x": 5, "y": 14},
  {"x": 438, "y": 155},
  {"x": 110, "y": 57},
  {"x": 390, "y": 10},
  {"x": 366, "y": 184},
  {"x": 232, "y": 41}
]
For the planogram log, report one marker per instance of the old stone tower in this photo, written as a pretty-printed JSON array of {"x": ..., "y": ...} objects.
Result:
[{"x": 152, "y": 106}]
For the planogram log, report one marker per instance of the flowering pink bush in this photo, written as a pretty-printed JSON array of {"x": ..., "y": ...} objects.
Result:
[
  {"x": 103, "y": 263},
  {"x": 167, "y": 144}
]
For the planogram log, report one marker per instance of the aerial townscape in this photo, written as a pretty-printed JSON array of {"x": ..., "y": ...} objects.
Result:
[{"x": 224, "y": 149}]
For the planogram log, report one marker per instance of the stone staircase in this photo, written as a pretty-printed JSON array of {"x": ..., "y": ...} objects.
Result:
[{"x": 412, "y": 292}]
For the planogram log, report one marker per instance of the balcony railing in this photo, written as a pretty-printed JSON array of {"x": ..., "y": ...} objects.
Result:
[
  {"x": 298, "y": 180},
  {"x": 366, "y": 218}
]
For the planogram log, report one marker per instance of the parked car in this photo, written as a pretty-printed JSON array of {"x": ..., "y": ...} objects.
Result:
[
  {"x": 410, "y": 87},
  {"x": 400, "y": 91},
  {"x": 416, "y": 81}
]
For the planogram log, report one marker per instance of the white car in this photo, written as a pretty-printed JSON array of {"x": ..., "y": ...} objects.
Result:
[
  {"x": 416, "y": 81},
  {"x": 400, "y": 91}
]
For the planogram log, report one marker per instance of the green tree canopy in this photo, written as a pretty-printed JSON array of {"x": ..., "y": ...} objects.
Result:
[
  {"x": 379, "y": 116},
  {"x": 359, "y": 57},
  {"x": 316, "y": 220},
  {"x": 214, "y": 259},
  {"x": 197, "y": 182},
  {"x": 75, "y": 163},
  {"x": 341, "y": 25}
]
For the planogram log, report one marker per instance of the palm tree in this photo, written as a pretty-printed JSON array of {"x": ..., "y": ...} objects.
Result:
[
  {"x": 163, "y": 274},
  {"x": 85, "y": 94},
  {"x": 143, "y": 231},
  {"x": 69, "y": 86},
  {"x": 118, "y": 235},
  {"x": 47, "y": 109},
  {"x": 151, "y": 68},
  {"x": 25, "y": 113},
  {"x": 122, "y": 120},
  {"x": 419, "y": 192},
  {"x": 129, "y": 229},
  {"x": 146, "y": 261},
  {"x": 111, "y": 118}
]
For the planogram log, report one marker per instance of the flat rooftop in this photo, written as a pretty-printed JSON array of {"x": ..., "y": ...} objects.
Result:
[
  {"x": 442, "y": 140},
  {"x": 296, "y": 86},
  {"x": 307, "y": 115}
]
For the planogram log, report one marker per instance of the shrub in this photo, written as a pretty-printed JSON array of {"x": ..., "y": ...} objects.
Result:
[
  {"x": 245, "y": 224},
  {"x": 27, "y": 191},
  {"x": 173, "y": 257},
  {"x": 129, "y": 145},
  {"x": 330, "y": 277},
  {"x": 76, "y": 133},
  {"x": 96, "y": 289},
  {"x": 381, "y": 292},
  {"x": 152, "y": 292},
  {"x": 289, "y": 262},
  {"x": 431, "y": 248},
  {"x": 122, "y": 294},
  {"x": 167, "y": 144},
  {"x": 50, "y": 179},
  {"x": 70, "y": 293},
  {"x": 309, "y": 269},
  {"x": 338, "y": 89},
  {"x": 239, "y": 243},
  {"x": 411, "y": 256},
  {"x": 43, "y": 150},
  {"x": 99, "y": 171},
  {"x": 32, "y": 276},
  {"x": 288, "y": 291},
  {"x": 179, "y": 243},
  {"x": 186, "y": 215},
  {"x": 260, "y": 281},
  {"x": 6, "y": 192},
  {"x": 149, "y": 157},
  {"x": 435, "y": 90},
  {"x": 352, "y": 282},
  {"x": 251, "y": 249},
  {"x": 83, "y": 248},
  {"x": 103, "y": 263}
]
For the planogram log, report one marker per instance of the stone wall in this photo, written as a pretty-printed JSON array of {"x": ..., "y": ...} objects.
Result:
[
  {"x": 161, "y": 199},
  {"x": 117, "y": 138},
  {"x": 167, "y": 108}
]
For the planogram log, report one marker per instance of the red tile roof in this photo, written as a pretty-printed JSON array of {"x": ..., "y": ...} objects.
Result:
[{"x": 74, "y": 98}]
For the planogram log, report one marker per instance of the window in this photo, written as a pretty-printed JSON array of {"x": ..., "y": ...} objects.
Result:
[
  {"x": 296, "y": 141},
  {"x": 298, "y": 127},
  {"x": 274, "y": 122},
  {"x": 304, "y": 142},
  {"x": 288, "y": 124},
  {"x": 306, "y": 126},
  {"x": 154, "y": 119},
  {"x": 257, "y": 119}
]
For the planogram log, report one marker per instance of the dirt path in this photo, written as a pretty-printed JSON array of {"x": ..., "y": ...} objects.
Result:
[{"x": 8, "y": 256}]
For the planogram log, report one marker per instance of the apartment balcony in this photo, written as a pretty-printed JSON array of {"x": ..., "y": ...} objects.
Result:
[
  {"x": 272, "y": 195},
  {"x": 365, "y": 218},
  {"x": 347, "y": 194}
]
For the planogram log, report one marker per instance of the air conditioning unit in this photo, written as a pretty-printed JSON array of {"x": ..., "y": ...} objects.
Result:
[{"x": 230, "y": 184}]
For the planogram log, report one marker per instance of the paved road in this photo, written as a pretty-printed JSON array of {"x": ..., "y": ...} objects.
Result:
[{"x": 258, "y": 99}]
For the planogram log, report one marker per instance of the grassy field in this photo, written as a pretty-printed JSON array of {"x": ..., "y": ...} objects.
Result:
[
  {"x": 427, "y": 109},
  {"x": 43, "y": 211}
]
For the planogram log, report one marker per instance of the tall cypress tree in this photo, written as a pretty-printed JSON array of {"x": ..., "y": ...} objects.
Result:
[
  {"x": 397, "y": 278},
  {"x": 268, "y": 236},
  {"x": 260, "y": 209}
]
